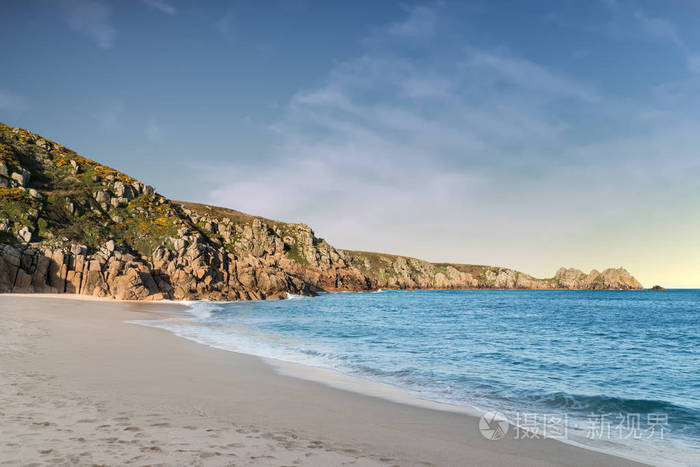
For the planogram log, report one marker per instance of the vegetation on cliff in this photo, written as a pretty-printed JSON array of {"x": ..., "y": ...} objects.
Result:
[{"x": 69, "y": 224}]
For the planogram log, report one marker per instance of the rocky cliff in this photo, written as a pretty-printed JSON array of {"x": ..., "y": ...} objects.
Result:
[{"x": 71, "y": 225}]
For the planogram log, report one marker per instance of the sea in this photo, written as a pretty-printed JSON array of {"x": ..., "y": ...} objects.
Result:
[{"x": 615, "y": 371}]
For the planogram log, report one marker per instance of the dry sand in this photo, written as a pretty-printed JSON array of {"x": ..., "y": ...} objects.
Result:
[{"x": 78, "y": 385}]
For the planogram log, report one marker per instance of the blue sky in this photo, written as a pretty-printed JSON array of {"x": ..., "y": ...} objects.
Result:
[{"x": 524, "y": 134}]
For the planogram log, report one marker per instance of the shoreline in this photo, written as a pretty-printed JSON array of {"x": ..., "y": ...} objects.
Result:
[
  {"x": 336, "y": 379},
  {"x": 185, "y": 302},
  {"x": 85, "y": 347}
]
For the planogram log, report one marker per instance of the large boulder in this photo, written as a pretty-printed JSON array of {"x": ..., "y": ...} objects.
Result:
[
  {"x": 21, "y": 176},
  {"x": 25, "y": 234}
]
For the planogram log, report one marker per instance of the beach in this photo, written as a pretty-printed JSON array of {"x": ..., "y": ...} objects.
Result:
[{"x": 80, "y": 385}]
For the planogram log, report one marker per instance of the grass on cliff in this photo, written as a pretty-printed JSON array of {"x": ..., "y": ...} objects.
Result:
[
  {"x": 236, "y": 217},
  {"x": 16, "y": 206},
  {"x": 294, "y": 253},
  {"x": 240, "y": 218},
  {"x": 146, "y": 223}
]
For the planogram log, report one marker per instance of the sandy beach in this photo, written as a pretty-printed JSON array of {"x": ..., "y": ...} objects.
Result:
[{"x": 79, "y": 385}]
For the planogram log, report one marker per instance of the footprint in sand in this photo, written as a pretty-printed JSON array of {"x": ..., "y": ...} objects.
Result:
[
  {"x": 151, "y": 449},
  {"x": 43, "y": 423}
]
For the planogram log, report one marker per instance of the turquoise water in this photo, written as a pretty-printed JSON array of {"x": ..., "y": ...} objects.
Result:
[{"x": 623, "y": 355}]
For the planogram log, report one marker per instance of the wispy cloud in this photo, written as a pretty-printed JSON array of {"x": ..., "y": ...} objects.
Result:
[
  {"x": 391, "y": 148},
  {"x": 659, "y": 28},
  {"x": 161, "y": 5},
  {"x": 421, "y": 22},
  {"x": 664, "y": 30},
  {"x": 527, "y": 75},
  {"x": 388, "y": 130},
  {"x": 93, "y": 19},
  {"x": 627, "y": 21}
]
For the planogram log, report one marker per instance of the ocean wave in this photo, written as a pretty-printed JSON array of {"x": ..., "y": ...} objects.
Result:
[
  {"x": 603, "y": 404},
  {"x": 293, "y": 296},
  {"x": 202, "y": 309}
]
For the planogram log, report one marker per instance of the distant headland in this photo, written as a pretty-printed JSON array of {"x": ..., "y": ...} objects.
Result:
[{"x": 71, "y": 225}]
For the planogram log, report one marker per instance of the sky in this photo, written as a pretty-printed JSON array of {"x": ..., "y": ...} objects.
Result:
[{"x": 529, "y": 135}]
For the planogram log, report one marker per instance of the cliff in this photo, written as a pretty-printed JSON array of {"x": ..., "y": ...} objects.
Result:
[{"x": 71, "y": 225}]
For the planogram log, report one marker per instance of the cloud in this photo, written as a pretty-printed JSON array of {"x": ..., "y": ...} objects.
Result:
[
  {"x": 525, "y": 74},
  {"x": 420, "y": 22},
  {"x": 388, "y": 130},
  {"x": 659, "y": 28},
  {"x": 161, "y": 5},
  {"x": 10, "y": 101},
  {"x": 664, "y": 30},
  {"x": 392, "y": 147},
  {"x": 93, "y": 19},
  {"x": 631, "y": 24}
]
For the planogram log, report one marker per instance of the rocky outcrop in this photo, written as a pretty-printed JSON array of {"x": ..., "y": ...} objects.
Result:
[
  {"x": 71, "y": 225},
  {"x": 386, "y": 271}
]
